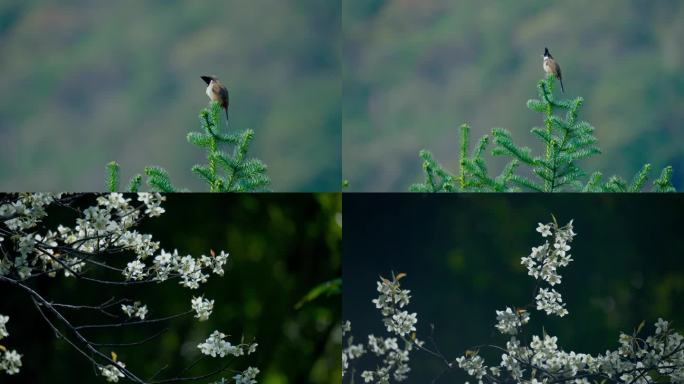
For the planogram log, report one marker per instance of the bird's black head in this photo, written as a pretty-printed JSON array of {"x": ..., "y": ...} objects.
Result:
[
  {"x": 208, "y": 79},
  {"x": 546, "y": 52}
]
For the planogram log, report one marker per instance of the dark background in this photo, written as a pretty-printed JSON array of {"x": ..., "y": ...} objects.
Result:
[
  {"x": 281, "y": 246},
  {"x": 417, "y": 69},
  {"x": 85, "y": 82},
  {"x": 462, "y": 256}
]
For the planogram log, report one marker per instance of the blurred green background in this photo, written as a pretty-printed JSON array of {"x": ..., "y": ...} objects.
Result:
[
  {"x": 83, "y": 83},
  {"x": 414, "y": 70},
  {"x": 462, "y": 256},
  {"x": 281, "y": 247}
]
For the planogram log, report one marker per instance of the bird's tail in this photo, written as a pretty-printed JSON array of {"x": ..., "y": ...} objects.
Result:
[
  {"x": 561, "y": 82},
  {"x": 226, "y": 117}
]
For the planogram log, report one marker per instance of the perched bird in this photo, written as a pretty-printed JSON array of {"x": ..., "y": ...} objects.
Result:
[
  {"x": 551, "y": 67},
  {"x": 217, "y": 92}
]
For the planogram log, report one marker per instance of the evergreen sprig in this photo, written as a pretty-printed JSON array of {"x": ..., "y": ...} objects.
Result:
[
  {"x": 226, "y": 171},
  {"x": 566, "y": 141}
]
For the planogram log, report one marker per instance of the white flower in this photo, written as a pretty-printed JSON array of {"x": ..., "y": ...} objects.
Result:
[
  {"x": 164, "y": 264},
  {"x": 202, "y": 307},
  {"x": 135, "y": 270},
  {"x": 136, "y": 310},
  {"x": 402, "y": 323},
  {"x": 141, "y": 312},
  {"x": 218, "y": 262},
  {"x": 551, "y": 302},
  {"x": 661, "y": 326},
  {"x": 509, "y": 321},
  {"x": 191, "y": 272},
  {"x": 248, "y": 376},
  {"x": 367, "y": 376},
  {"x": 111, "y": 372},
  {"x": 3, "y": 329},
  {"x": 10, "y": 362},
  {"x": 152, "y": 202},
  {"x": 544, "y": 229},
  {"x": 216, "y": 346},
  {"x": 474, "y": 365}
]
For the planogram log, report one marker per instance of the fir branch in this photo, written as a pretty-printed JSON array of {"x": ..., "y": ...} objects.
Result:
[
  {"x": 437, "y": 179},
  {"x": 158, "y": 179},
  {"x": 465, "y": 140},
  {"x": 640, "y": 179},
  {"x": 112, "y": 176},
  {"x": 594, "y": 183},
  {"x": 664, "y": 181},
  {"x": 134, "y": 183}
]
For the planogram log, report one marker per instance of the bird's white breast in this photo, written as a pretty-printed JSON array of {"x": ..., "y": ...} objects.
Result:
[
  {"x": 547, "y": 67},
  {"x": 208, "y": 91}
]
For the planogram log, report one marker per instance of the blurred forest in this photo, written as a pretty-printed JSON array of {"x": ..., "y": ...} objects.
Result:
[
  {"x": 462, "y": 256},
  {"x": 83, "y": 83},
  {"x": 414, "y": 70},
  {"x": 281, "y": 247}
]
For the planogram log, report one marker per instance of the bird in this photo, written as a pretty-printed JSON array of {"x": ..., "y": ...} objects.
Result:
[
  {"x": 217, "y": 92},
  {"x": 551, "y": 67}
]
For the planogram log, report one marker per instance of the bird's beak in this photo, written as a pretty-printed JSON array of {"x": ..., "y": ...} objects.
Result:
[{"x": 206, "y": 79}]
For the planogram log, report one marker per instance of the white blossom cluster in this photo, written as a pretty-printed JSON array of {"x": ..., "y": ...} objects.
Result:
[
  {"x": 509, "y": 321},
  {"x": 395, "y": 359},
  {"x": 202, "y": 307},
  {"x": 393, "y": 351},
  {"x": 10, "y": 360},
  {"x": 111, "y": 373},
  {"x": 352, "y": 351},
  {"x": 248, "y": 376},
  {"x": 546, "y": 259},
  {"x": 390, "y": 301},
  {"x": 637, "y": 360},
  {"x": 551, "y": 302},
  {"x": 473, "y": 364},
  {"x": 106, "y": 227},
  {"x": 192, "y": 271},
  {"x": 3, "y": 326},
  {"x": 544, "y": 262},
  {"x": 215, "y": 345},
  {"x": 135, "y": 310}
]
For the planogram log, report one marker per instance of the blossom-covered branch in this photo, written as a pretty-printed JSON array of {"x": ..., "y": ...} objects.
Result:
[
  {"x": 90, "y": 251},
  {"x": 639, "y": 359}
]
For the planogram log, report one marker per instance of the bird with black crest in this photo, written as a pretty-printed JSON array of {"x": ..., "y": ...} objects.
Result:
[
  {"x": 217, "y": 92},
  {"x": 551, "y": 67}
]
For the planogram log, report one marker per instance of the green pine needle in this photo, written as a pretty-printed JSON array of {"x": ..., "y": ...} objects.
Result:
[{"x": 566, "y": 142}]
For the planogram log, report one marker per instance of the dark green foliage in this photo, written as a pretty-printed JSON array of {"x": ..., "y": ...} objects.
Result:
[
  {"x": 325, "y": 289},
  {"x": 566, "y": 141},
  {"x": 225, "y": 172}
]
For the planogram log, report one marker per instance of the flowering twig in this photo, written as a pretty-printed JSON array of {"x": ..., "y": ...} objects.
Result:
[
  {"x": 103, "y": 234},
  {"x": 657, "y": 358}
]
